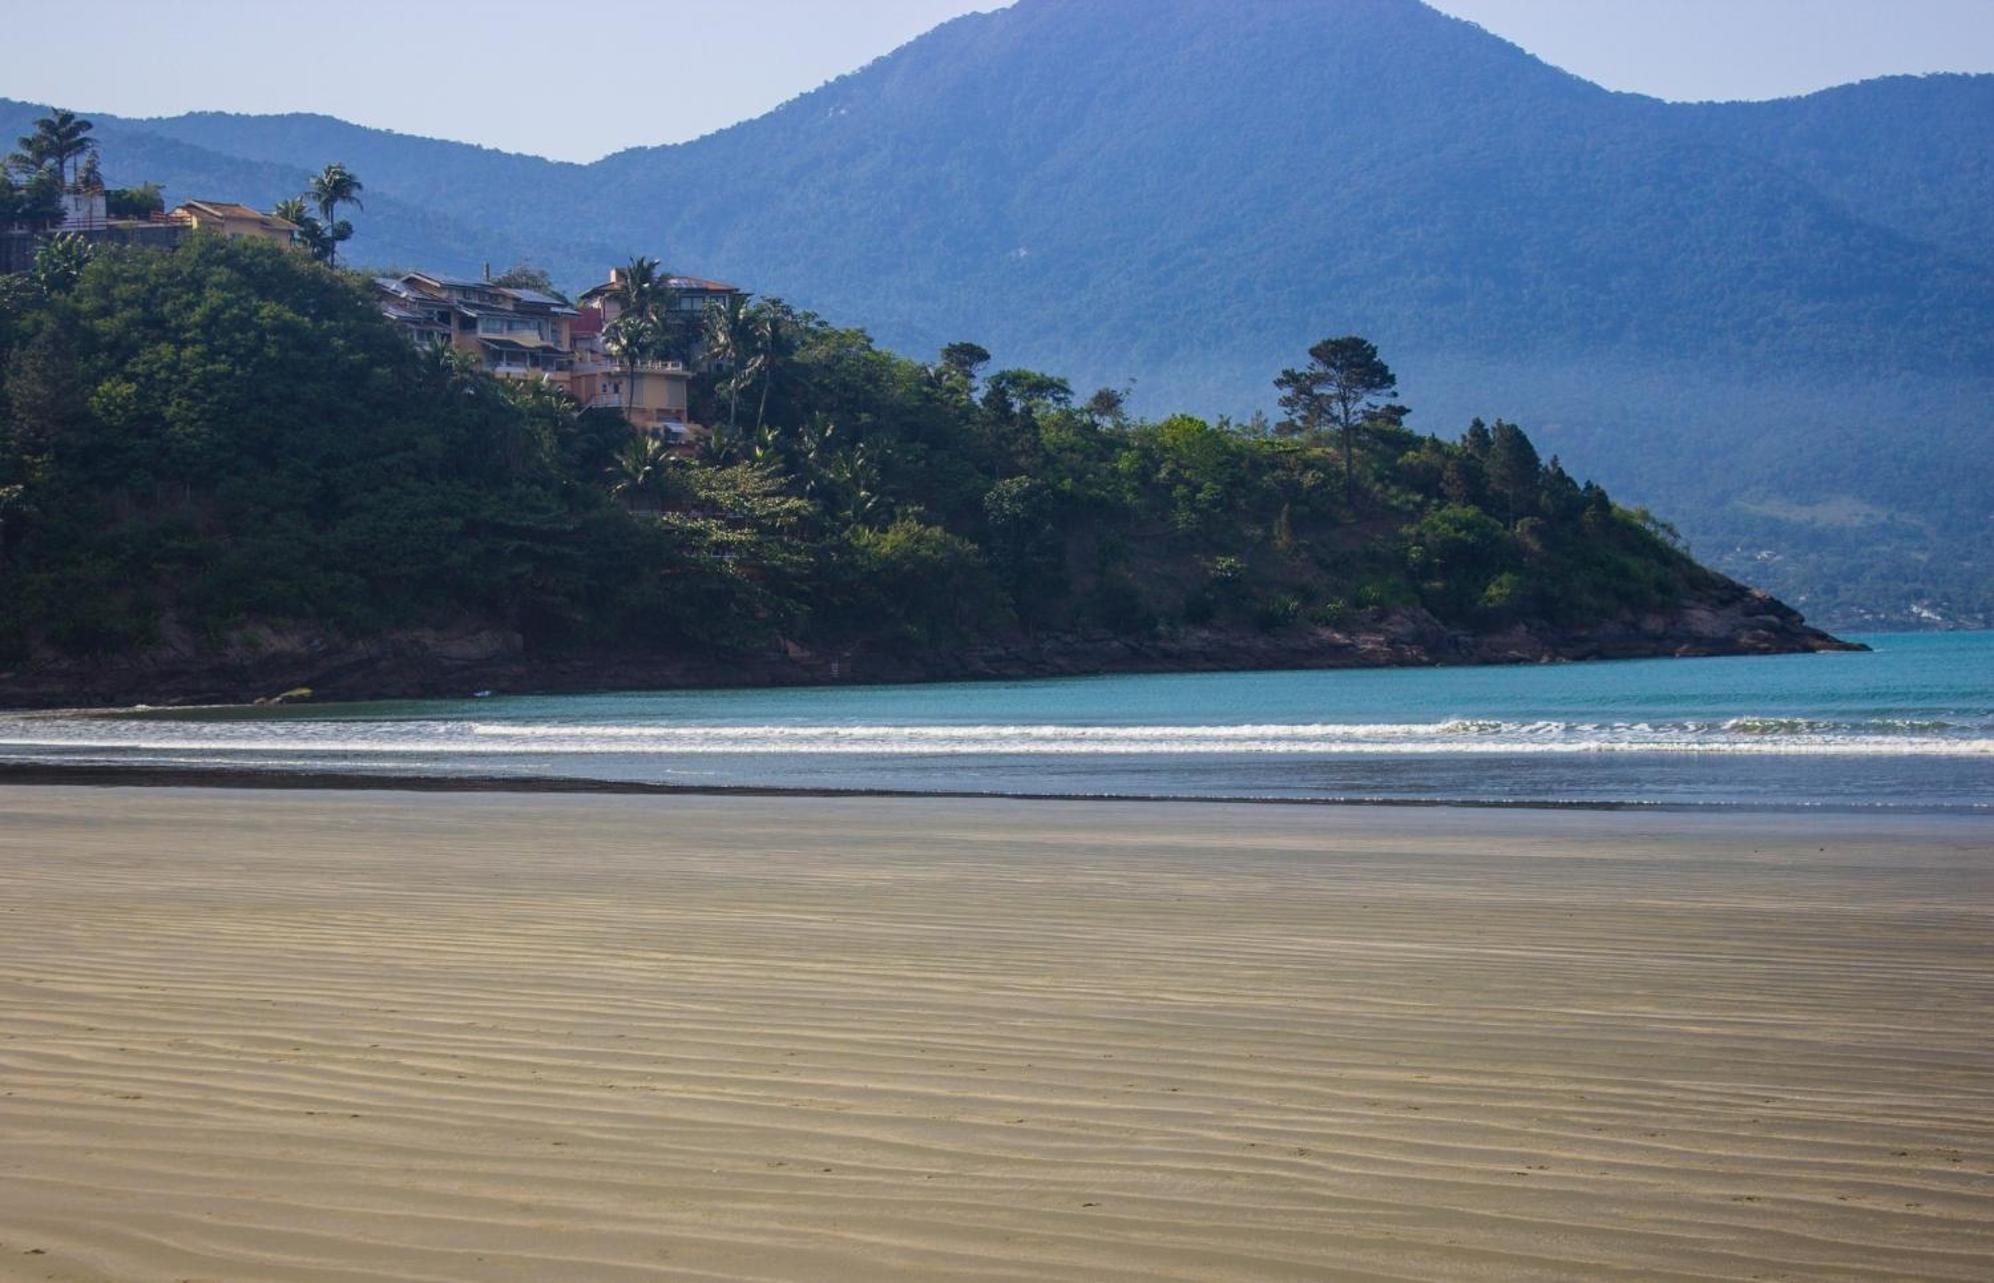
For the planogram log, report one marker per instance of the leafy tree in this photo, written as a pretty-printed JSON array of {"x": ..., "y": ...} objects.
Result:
[
  {"x": 1108, "y": 404},
  {"x": 1025, "y": 543},
  {"x": 59, "y": 140},
  {"x": 917, "y": 583},
  {"x": 1514, "y": 472},
  {"x": 142, "y": 201},
  {"x": 963, "y": 360},
  {"x": 32, "y": 204},
  {"x": 525, "y": 276},
  {"x": 1340, "y": 384},
  {"x": 1028, "y": 389},
  {"x": 59, "y": 263}
]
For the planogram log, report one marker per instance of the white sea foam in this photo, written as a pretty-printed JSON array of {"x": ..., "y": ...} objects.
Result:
[{"x": 45, "y": 737}]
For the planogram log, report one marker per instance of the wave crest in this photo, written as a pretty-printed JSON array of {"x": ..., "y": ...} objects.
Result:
[{"x": 30, "y": 738}]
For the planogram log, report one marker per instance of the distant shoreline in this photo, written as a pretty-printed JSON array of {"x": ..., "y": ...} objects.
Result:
[
  {"x": 424, "y": 666},
  {"x": 99, "y": 775}
]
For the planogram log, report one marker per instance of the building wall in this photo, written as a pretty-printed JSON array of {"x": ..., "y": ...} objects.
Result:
[{"x": 235, "y": 228}]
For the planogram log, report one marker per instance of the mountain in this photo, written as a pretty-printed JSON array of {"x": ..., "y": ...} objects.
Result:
[
  {"x": 1908, "y": 153},
  {"x": 1772, "y": 321}
]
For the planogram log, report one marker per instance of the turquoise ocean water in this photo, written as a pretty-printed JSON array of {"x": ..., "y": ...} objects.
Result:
[{"x": 1910, "y": 725}]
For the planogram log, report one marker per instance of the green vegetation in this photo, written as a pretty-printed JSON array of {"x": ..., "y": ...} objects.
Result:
[
  {"x": 142, "y": 201},
  {"x": 227, "y": 438},
  {"x": 323, "y": 232},
  {"x": 34, "y": 177},
  {"x": 57, "y": 142},
  {"x": 34, "y": 203}
]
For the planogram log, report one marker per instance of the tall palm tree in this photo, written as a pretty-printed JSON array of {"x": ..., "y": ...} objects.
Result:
[
  {"x": 728, "y": 342},
  {"x": 450, "y": 369},
  {"x": 310, "y": 234},
  {"x": 331, "y": 187},
  {"x": 769, "y": 331},
  {"x": 631, "y": 338},
  {"x": 59, "y": 138},
  {"x": 640, "y": 470},
  {"x": 637, "y": 285},
  {"x": 645, "y": 287}
]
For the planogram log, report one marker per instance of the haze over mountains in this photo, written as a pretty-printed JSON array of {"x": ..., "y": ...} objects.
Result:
[{"x": 1772, "y": 321}]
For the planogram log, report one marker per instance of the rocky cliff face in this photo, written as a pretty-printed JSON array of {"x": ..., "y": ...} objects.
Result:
[{"x": 1729, "y": 619}]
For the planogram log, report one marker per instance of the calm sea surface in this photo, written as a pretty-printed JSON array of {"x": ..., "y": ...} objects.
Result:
[{"x": 1910, "y": 725}]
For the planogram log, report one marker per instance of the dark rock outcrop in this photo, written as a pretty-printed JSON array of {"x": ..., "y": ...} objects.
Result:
[{"x": 1727, "y": 619}]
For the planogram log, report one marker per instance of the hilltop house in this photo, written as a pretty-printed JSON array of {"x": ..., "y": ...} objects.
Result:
[
  {"x": 84, "y": 214},
  {"x": 514, "y": 333},
  {"x": 651, "y": 393},
  {"x": 233, "y": 220},
  {"x": 691, "y": 295},
  {"x": 523, "y": 333}
]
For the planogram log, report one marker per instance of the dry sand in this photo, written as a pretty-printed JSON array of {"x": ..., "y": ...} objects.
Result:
[{"x": 257, "y": 1036}]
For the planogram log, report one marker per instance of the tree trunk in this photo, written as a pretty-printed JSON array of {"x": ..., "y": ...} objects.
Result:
[{"x": 1349, "y": 471}]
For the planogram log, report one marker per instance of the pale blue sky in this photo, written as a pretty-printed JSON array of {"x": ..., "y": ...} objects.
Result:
[{"x": 620, "y": 73}]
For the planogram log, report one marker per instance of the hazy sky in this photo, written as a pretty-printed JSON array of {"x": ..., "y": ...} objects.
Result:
[{"x": 578, "y": 81}]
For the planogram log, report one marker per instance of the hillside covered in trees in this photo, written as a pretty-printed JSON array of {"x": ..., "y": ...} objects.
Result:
[
  {"x": 222, "y": 472},
  {"x": 1772, "y": 320}
]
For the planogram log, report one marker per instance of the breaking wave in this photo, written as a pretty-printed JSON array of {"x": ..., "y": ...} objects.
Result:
[{"x": 32, "y": 737}]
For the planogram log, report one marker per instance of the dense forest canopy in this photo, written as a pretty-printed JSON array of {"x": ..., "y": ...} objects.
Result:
[{"x": 230, "y": 437}]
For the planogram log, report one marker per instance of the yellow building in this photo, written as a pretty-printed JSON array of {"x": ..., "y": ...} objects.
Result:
[
  {"x": 234, "y": 221},
  {"x": 652, "y": 396}
]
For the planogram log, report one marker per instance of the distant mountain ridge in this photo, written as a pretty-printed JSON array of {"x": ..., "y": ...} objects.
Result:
[{"x": 1774, "y": 322}]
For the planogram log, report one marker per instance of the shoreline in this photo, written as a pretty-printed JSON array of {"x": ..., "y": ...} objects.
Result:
[{"x": 97, "y": 775}]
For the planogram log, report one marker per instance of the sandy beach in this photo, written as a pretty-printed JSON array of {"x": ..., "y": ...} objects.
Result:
[{"x": 313, "y": 1036}]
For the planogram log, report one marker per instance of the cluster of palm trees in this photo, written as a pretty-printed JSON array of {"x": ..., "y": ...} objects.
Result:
[
  {"x": 316, "y": 212},
  {"x": 748, "y": 344},
  {"x": 744, "y": 343}
]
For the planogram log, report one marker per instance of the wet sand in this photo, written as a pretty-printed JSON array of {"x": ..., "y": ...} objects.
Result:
[{"x": 315, "y": 1036}]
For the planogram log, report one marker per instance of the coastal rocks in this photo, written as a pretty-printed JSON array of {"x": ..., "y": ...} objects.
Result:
[
  {"x": 1724, "y": 618},
  {"x": 253, "y": 662}
]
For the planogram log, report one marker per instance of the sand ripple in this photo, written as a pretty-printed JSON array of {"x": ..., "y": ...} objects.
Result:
[{"x": 309, "y": 1037}]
